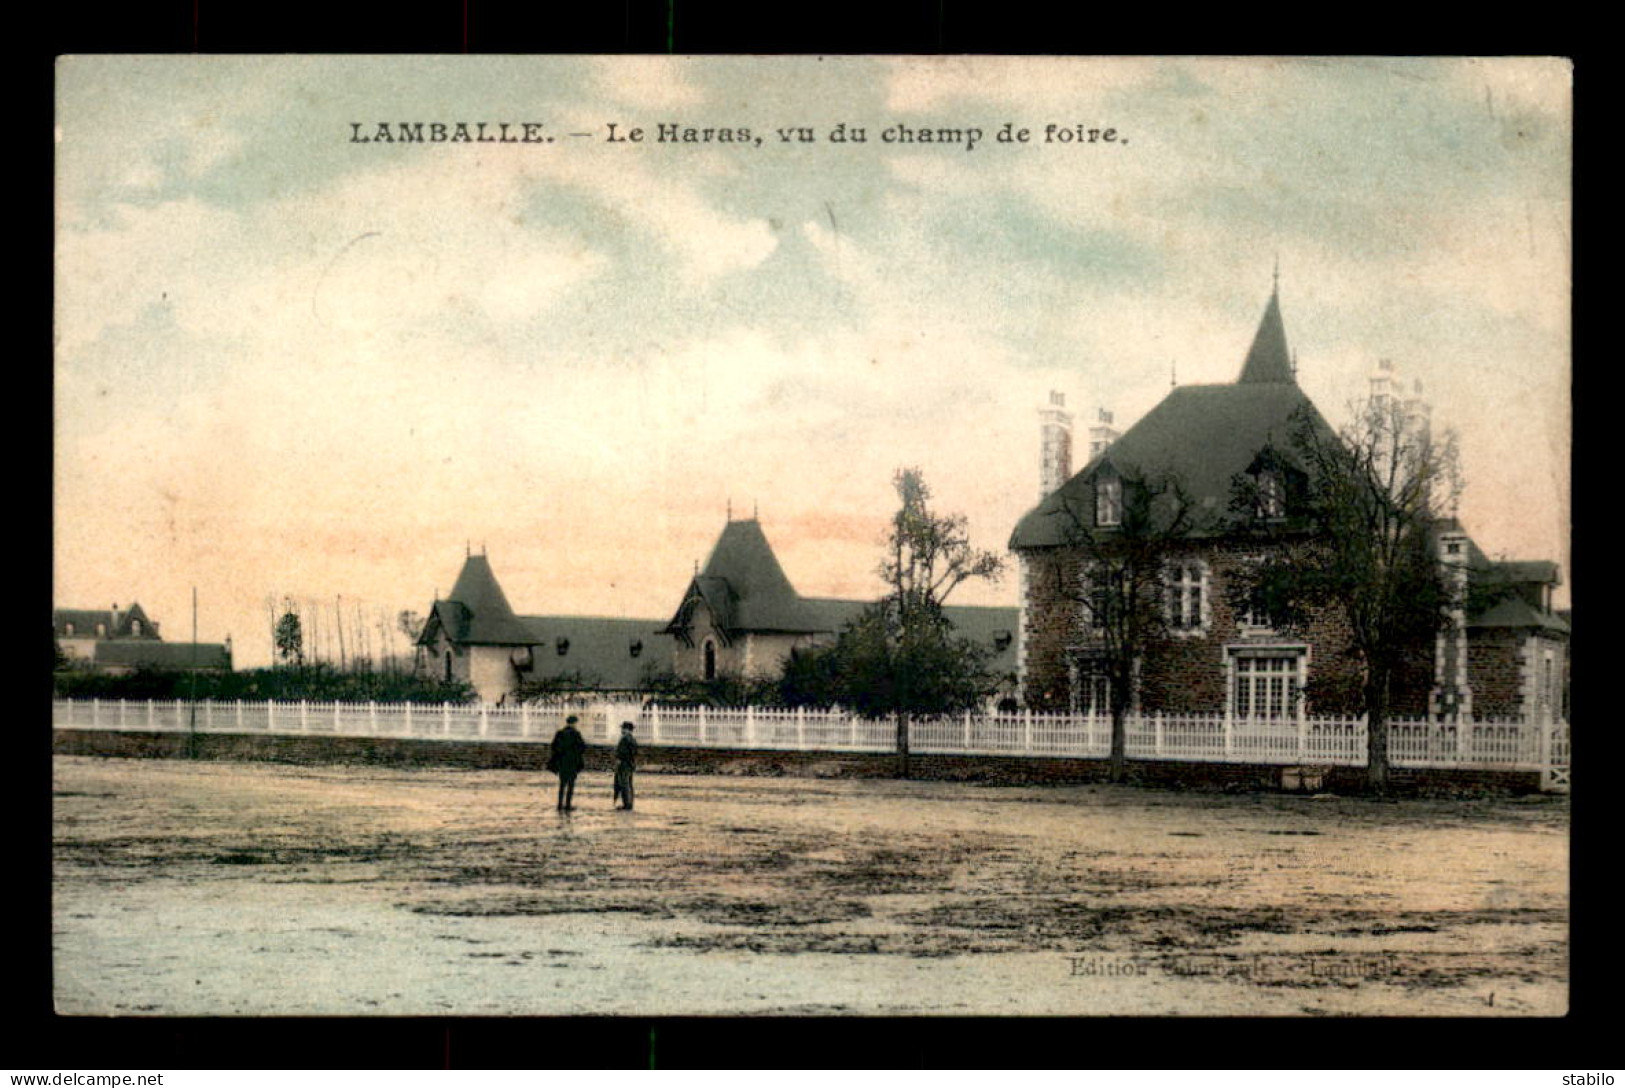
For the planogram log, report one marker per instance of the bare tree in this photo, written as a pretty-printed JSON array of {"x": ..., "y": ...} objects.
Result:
[
  {"x": 928, "y": 556},
  {"x": 1122, "y": 591},
  {"x": 1366, "y": 545}
]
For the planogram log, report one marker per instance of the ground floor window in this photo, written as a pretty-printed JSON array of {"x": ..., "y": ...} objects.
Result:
[
  {"x": 1090, "y": 684},
  {"x": 1267, "y": 685}
]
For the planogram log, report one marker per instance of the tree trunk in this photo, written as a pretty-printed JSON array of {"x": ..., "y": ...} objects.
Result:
[
  {"x": 1376, "y": 737},
  {"x": 1119, "y": 764},
  {"x": 903, "y": 768}
]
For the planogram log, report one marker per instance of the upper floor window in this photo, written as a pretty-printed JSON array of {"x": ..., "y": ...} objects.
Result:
[
  {"x": 1108, "y": 501},
  {"x": 1096, "y": 599},
  {"x": 710, "y": 660},
  {"x": 101, "y": 630},
  {"x": 1252, "y": 617},
  {"x": 135, "y": 628},
  {"x": 1187, "y": 595}
]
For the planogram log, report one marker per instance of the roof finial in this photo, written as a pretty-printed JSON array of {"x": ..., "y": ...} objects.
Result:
[
  {"x": 1173, "y": 373},
  {"x": 468, "y": 549},
  {"x": 730, "y": 508},
  {"x": 1276, "y": 285},
  {"x": 755, "y": 510}
]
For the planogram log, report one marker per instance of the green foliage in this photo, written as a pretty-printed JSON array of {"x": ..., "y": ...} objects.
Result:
[
  {"x": 1364, "y": 546},
  {"x": 316, "y": 683},
  {"x": 666, "y": 686},
  {"x": 289, "y": 637},
  {"x": 878, "y": 667},
  {"x": 552, "y": 687},
  {"x": 901, "y": 655}
]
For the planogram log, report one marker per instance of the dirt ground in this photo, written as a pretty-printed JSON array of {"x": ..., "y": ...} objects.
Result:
[{"x": 254, "y": 889}]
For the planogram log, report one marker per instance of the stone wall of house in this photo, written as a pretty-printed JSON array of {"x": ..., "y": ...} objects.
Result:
[
  {"x": 491, "y": 671},
  {"x": 689, "y": 661},
  {"x": 1495, "y": 672},
  {"x": 1188, "y": 672},
  {"x": 1050, "y": 619}
]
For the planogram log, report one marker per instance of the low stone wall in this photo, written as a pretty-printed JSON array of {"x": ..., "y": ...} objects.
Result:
[{"x": 988, "y": 770}]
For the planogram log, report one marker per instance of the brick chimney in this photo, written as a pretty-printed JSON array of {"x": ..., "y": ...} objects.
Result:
[{"x": 1056, "y": 457}]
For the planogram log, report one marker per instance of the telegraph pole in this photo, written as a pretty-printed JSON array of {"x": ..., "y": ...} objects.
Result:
[{"x": 191, "y": 733}]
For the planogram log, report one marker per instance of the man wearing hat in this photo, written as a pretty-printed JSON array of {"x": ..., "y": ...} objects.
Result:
[
  {"x": 565, "y": 758},
  {"x": 626, "y": 761}
]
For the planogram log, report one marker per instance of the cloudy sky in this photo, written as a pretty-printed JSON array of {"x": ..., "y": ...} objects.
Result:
[{"x": 289, "y": 364}]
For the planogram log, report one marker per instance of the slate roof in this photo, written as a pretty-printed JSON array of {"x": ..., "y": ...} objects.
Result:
[
  {"x": 477, "y": 612},
  {"x": 1202, "y": 435},
  {"x": 985, "y": 625},
  {"x": 599, "y": 649},
  {"x": 1269, "y": 359},
  {"x": 1539, "y": 571},
  {"x": 1517, "y": 612},
  {"x": 139, "y": 653},
  {"x": 748, "y": 591},
  {"x": 84, "y": 622},
  {"x": 745, "y": 587}
]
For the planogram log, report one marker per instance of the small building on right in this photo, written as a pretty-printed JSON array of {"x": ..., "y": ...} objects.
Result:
[{"x": 1501, "y": 652}]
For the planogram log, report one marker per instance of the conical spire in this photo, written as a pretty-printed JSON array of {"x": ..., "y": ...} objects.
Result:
[
  {"x": 1269, "y": 360},
  {"x": 491, "y": 618}
]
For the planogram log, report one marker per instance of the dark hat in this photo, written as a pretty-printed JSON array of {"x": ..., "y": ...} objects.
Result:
[
  {"x": 628, "y": 725},
  {"x": 571, "y": 720}
]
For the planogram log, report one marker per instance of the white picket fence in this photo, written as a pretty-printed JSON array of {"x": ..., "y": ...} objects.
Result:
[{"x": 1488, "y": 744}]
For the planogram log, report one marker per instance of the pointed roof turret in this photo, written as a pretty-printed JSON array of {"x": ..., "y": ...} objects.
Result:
[
  {"x": 745, "y": 587},
  {"x": 1269, "y": 359},
  {"x": 482, "y": 613}
]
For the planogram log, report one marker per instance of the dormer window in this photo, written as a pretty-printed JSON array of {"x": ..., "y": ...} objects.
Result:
[
  {"x": 1271, "y": 495},
  {"x": 562, "y": 645},
  {"x": 67, "y": 630},
  {"x": 1108, "y": 501},
  {"x": 135, "y": 628}
]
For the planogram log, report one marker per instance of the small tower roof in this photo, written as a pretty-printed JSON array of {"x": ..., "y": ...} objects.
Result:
[
  {"x": 745, "y": 587},
  {"x": 490, "y": 619},
  {"x": 1269, "y": 359}
]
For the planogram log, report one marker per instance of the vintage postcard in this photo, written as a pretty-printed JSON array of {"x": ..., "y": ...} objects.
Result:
[{"x": 927, "y": 536}]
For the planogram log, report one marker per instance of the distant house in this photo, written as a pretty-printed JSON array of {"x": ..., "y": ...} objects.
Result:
[
  {"x": 739, "y": 617},
  {"x": 125, "y": 640},
  {"x": 1506, "y": 658}
]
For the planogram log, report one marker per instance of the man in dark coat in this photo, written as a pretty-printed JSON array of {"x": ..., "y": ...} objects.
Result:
[
  {"x": 565, "y": 758},
  {"x": 626, "y": 761}
]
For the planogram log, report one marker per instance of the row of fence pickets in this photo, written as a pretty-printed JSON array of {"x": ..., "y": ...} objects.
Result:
[{"x": 1493, "y": 744}]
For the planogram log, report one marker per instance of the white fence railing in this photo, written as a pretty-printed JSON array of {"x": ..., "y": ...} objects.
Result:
[{"x": 1486, "y": 744}]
